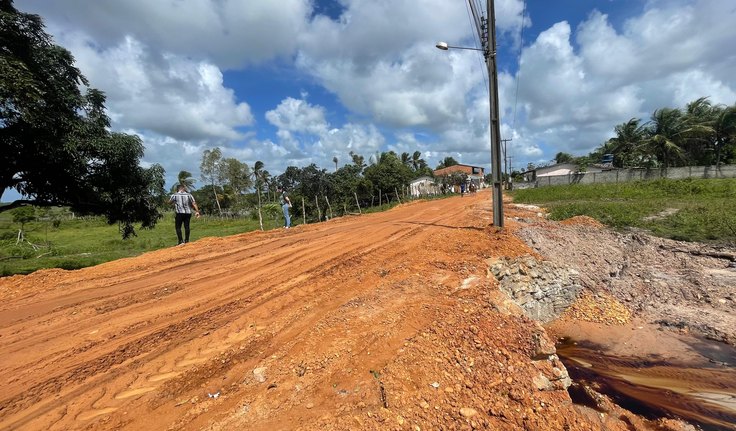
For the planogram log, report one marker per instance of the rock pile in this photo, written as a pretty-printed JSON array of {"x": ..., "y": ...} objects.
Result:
[{"x": 542, "y": 289}]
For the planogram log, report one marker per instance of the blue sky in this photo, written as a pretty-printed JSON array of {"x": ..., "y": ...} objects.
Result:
[{"x": 295, "y": 82}]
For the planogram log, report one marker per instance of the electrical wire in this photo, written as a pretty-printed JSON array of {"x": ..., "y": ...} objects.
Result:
[
  {"x": 477, "y": 42},
  {"x": 518, "y": 59}
]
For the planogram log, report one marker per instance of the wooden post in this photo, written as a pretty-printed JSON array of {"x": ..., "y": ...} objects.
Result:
[
  {"x": 380, "y": 198},
  {"x": 304, "y": 212},
  {"x": 397, "y": 194},
  {"x": 329, "y": 206},
  {"x": 358, "y": 203},
  {"x": 319, "y": 213},
  {"x": 344, "y": 209}
]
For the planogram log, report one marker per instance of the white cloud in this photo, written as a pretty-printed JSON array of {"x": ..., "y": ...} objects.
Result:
[
  {"x": 571, "y": 99},
  {"x": 162, "y": 93},
  {"x": 297, "y": 115},
  {"x": 230, "y": 33}
]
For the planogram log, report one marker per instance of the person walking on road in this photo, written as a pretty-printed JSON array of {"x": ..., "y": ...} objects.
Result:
[
  {"x": 183, "y": 203},
  {"x": 285, "y": 205}
]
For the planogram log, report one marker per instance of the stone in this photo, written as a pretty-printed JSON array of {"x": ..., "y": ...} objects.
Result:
[
  {"x": 260, "y": 374},
  {"x": 468, "y": 412},
  {"x": 542, "y": 383}
]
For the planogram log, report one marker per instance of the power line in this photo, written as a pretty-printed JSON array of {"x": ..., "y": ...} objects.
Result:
[
  {"x": 474, "y": 23},
  {"x": 518, "y": 72}
]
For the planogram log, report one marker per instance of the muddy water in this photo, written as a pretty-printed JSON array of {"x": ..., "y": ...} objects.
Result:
[{"x": 700, "y": 389}]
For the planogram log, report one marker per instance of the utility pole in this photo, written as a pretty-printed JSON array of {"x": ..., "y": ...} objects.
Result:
[
  {"x": 490, "y": 54},
  {"x": 505, "y": 159},
  {"x": 486, "y": 29}
]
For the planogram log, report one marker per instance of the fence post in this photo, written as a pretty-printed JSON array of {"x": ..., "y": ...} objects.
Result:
[
  {"x": 356, "y": 201},
  {"x": 380, "y": 198},
  {"x": 319, "y": 213},
  {"x": 397, "y": 195},
  {"x": 329, "y": 206},
  {"x": 304, "y": 212}
]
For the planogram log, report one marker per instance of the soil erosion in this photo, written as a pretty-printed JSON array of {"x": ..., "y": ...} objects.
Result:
[{"x": 383, "y": 321}]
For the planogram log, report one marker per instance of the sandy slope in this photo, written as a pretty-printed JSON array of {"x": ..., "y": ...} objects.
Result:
[{"x": 382, "y": 321}]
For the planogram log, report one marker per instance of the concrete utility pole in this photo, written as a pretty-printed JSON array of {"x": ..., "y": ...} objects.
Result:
[
  {"x": 506, "y": 159},
  {"x": 486, "y": 29},
  {"x": 490, "y": 54}
]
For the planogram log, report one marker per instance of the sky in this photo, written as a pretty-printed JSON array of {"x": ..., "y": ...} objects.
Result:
[{"x": 294, "y": 82}]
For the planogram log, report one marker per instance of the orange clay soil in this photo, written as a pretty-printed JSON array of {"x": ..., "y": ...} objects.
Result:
[{"x": 381, "y": 321}]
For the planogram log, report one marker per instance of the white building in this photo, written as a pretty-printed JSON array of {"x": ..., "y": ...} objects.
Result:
[{"x": 423, "y": 186}]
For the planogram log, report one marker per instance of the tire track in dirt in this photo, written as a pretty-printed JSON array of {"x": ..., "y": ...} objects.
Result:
[{"x": 96, "y": 364}]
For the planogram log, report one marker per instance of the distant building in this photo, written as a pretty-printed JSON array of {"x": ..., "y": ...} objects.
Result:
[
  {"x": 475, "y": 174},
  {"x": 423, "y": 186},
  {"x": 559, "y": 169}
]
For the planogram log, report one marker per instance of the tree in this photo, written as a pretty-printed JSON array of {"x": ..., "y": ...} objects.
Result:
[
  {"x": 358, "y": 160},
  {"x": 417, "y": 162},
  {"x": 211, "y": 170},
  {"x": 57, "y": 149},
  {"x": 627, "y": 144},
  {"x": 186, "y": 179},
  {"x": 564, "y": 158},
  {"x": 23, "y": 215},
  {"x": 389, "y": 174},
  {"x": 724, "y": 131},
  {"x": 406, "y": 159},
  {"x": 666, "y": 133},
  {"x": 237, "y": 176},
  {"x": 447, "y": 162}
]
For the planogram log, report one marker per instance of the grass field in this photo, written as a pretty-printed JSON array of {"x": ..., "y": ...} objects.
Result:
[
  {"x": 702, "y": 210},
  {"x": 81, "y": 242}
]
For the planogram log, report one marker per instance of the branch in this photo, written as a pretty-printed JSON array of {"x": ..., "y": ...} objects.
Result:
[{"x": 25, "y": 202}]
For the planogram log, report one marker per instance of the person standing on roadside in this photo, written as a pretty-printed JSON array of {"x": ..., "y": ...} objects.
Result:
[
  {"x": 285, "y": 205},
  {"x": 183, "y": 203}
]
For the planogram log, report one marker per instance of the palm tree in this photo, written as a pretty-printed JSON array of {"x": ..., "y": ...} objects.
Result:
[
  {"x": 667, "y": 131},
  {"x": 186, "y": 179},
  {"x": 417, "y": 162},
  {"x": 724, "y": 129},
  {"x": 699, "y": 119},
  {"x": 406, "y": 159},
  {"x": 628, "y": 142}
]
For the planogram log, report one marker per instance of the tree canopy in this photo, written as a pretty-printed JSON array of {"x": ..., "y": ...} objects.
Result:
[{"x": 57, "y": 146}]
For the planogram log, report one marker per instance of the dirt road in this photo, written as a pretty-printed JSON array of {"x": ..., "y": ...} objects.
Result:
[{"x": 381, "y": 321}]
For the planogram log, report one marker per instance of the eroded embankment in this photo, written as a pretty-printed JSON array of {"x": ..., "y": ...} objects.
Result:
[{"x": 615, "y": 294}]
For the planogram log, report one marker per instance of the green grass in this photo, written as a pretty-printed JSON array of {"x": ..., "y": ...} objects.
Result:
[
  {"x": 706, "y": 208},
  {"x": 81, "y": 242},
  {"x": 85, "y": 242}
]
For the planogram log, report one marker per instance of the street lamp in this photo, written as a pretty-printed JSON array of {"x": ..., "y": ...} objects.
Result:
[{"x": 486, "y": 29}]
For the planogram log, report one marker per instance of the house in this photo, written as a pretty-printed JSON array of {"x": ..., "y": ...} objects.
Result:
[
  {"x": 558, "y": 169},
  {"x": 423, "y": 186},
  {"x": 474, "y": 173}
]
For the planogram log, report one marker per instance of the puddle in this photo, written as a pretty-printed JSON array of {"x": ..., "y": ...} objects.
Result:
[{"x": 701, "y": 391}]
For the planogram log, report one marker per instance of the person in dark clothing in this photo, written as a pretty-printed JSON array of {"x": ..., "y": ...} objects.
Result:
[{"x": 183, "y": 203}]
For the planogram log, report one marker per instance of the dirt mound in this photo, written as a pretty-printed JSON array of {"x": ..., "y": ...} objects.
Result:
[
  {"x": 582, "y": 221},
  {"x": 598, "y": 308}
]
